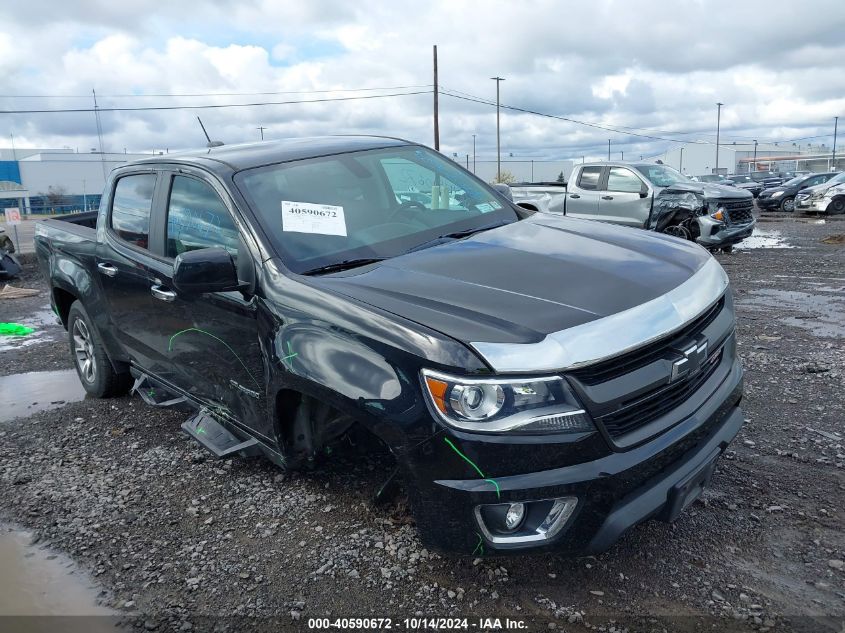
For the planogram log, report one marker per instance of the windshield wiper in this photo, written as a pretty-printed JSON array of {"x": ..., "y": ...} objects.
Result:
[
  {"x": 457, "y": 235},
  {"x": 346, "y": 264}
]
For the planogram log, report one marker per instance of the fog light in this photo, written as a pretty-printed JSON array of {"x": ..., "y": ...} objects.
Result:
[{"x": 514, "y": 516}]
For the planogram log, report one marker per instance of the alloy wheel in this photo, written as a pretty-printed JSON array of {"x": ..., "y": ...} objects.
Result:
[{"x": 83, "y": 349}]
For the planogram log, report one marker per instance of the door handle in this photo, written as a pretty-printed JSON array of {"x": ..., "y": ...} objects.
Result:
[
  {"x": 107, "y": 269},
  {"x": 165, "y": 295},
  {"x": 607, "y": 197},
  {"x": 574, "y": 195}
]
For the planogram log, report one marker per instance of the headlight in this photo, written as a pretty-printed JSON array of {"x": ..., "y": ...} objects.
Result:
[
  {"x": 530, "y": 405},
  {"x": 777, "y": 194}
]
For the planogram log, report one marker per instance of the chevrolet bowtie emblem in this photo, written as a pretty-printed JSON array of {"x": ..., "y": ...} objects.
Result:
[{"x": 694, "y": 358}]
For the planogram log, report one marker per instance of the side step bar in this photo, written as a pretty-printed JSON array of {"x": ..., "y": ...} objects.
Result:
[{"x": 216, "y": 438}]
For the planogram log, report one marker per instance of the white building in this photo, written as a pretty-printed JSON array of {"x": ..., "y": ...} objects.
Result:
[
  {"x": 695, "y": 159},
  {"x": 30, "y": 175}
]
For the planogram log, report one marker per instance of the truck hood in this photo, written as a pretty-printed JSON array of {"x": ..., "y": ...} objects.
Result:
[
  {"x": 521, "y": 282},
  {"x": 710, "y": 190},
  {"x": 821, "y": 188}
]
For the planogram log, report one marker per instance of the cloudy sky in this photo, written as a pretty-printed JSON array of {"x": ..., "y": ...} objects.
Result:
[{"x": 653, "y": 69}]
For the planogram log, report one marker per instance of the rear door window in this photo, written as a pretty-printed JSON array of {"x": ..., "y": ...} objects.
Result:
[
  {"x": 589, "y": 178},
  {"x": 131, "y": 207}
]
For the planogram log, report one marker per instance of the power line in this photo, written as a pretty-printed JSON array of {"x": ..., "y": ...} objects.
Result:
[
  {"x": 209, "y": 106},
  {"x": 620, "y": 129},
  {"x": 214, "y": 94},
  {"x": 570, "y": 120}
]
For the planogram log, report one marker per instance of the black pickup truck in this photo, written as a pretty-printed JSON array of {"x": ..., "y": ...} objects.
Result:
[{"x": 543, "y": 382}]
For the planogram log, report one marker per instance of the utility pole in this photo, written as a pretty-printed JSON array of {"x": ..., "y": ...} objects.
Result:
[
  {"x": 681, "y": 163},
  {"x": 473, "y": 153},
  {"x": 261, "y": 129},
  {"x": 623, "y": 154},
  {"x": 754, "y": 165},
  {"x": 436, "y": 105},
  {"x": 84, "y": 197},
  {"x": 835, "y": 129},
  {"x": 608, "y": 150},
  {"x": 718, "y": 125},
  {"x": 498, "y": 80},
  {"x": 99, "y": 134}
]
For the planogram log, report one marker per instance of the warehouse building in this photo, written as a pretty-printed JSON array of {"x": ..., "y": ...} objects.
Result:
[
  {"x": 55, "y": 180},
  {"x": 695, "y": 159}
]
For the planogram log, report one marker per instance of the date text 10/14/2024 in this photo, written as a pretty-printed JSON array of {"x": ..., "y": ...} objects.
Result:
[{"x": 417, "y": 623}]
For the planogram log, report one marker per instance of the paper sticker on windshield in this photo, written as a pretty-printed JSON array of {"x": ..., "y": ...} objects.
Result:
[
  {"x": 484, "y": 207},
  {"x": 305, "y": 217}
]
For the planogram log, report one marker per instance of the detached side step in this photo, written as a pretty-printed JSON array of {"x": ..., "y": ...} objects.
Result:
[{"x": 216, "y": 438}]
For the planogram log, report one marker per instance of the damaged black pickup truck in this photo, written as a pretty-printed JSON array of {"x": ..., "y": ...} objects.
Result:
[{"x": 543, "y": 382}]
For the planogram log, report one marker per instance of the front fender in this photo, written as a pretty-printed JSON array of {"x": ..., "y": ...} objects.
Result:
[{"x": 356, "y": 377}]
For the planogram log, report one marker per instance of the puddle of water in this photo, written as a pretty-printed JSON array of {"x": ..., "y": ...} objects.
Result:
[
  {"x": 821, "y": 314},
  {"x": 38, "y": 582},
  {"x": 761, "y": 238},
  {"x": 25, "y": 394},
  {"x": 45, "y": 322}
]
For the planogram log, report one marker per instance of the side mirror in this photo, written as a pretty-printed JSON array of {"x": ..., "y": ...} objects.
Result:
[
  {"x": 205, "y": 270},
  {"x": 503, "y": 190},
  {"x": 643, "y": 190}
]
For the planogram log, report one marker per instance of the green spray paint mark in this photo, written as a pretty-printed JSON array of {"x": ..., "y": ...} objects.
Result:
[
  {"x": 201, "y": 430},
  {"x": 291, "y": 354},
  {"x": 480, "y": 547},
  {"x": 475, "y": 466},
  {"x": 194, "y": 329}
]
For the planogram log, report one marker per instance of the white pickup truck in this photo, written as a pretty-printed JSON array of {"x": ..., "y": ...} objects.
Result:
[{"x": 650, "y": 196}]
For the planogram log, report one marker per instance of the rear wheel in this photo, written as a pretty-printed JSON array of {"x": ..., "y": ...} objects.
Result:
[
  {"x": 787, "y": 205},
  {"x": 837, "y": 207},
  {"x": 92, "y": 364}
]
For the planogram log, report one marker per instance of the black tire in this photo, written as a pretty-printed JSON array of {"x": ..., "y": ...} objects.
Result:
[
  {"x": 90, "y": 360},
  {"x": 837, "y": 207},
  {"x": 728, "y": 249},
  {"x": 787, "y": 205}
]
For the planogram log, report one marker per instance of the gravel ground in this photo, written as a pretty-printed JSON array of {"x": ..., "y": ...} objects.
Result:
[{"x": 179, "y": 540}]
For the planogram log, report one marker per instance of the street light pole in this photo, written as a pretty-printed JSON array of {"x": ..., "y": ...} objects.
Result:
[
  {"x": 718, "y": 125},
  {"x": 473, "y": 153},
  {"x": 681, "y": 163},
  {"x": 835, "y": 129},
  {"x": 498, "y": 80},
  {"x": 754, "y": 164}
]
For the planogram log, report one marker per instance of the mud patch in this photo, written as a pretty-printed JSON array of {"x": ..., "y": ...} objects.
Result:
[
  {"x": 25, "y": 394},
  {"x": 38, "y": 582},
  {"x": 47, "y": 329},
  {"x": 821, "y": 314}
]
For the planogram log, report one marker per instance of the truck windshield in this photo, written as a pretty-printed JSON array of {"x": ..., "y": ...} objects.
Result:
[
  {"x": 369, "y": 205},
  {"x": 661, "y": 175}
]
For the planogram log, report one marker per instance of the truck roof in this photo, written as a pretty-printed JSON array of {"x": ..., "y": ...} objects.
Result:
[
  {"x": 248, "y": 155},
  {"x": 619, "y": 163}
]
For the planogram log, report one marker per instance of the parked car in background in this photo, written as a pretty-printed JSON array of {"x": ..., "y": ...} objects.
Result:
[
  {"x": 828, "y": 197},
  {"x": 288, "y": 292},
  {"x": 789, "y": 175},
  {"x": 767, "y": 178},
  {"x": 783, "y": 197},
  {"x": 718, "y": 179},
  {"x": 744, "y": 181},
  {"x": 650, "y": 196}
]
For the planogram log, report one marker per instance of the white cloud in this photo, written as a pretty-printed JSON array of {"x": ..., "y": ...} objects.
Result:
[{"x": 648, "y": 65}]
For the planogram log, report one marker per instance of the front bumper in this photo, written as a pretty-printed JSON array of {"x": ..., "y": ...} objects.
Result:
[
  {"x": 769, "y": 203},
  {"x": 819, "y": 205},
  {"x": 614, "y": 492},
  {"x": 715, "y": 234}
]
